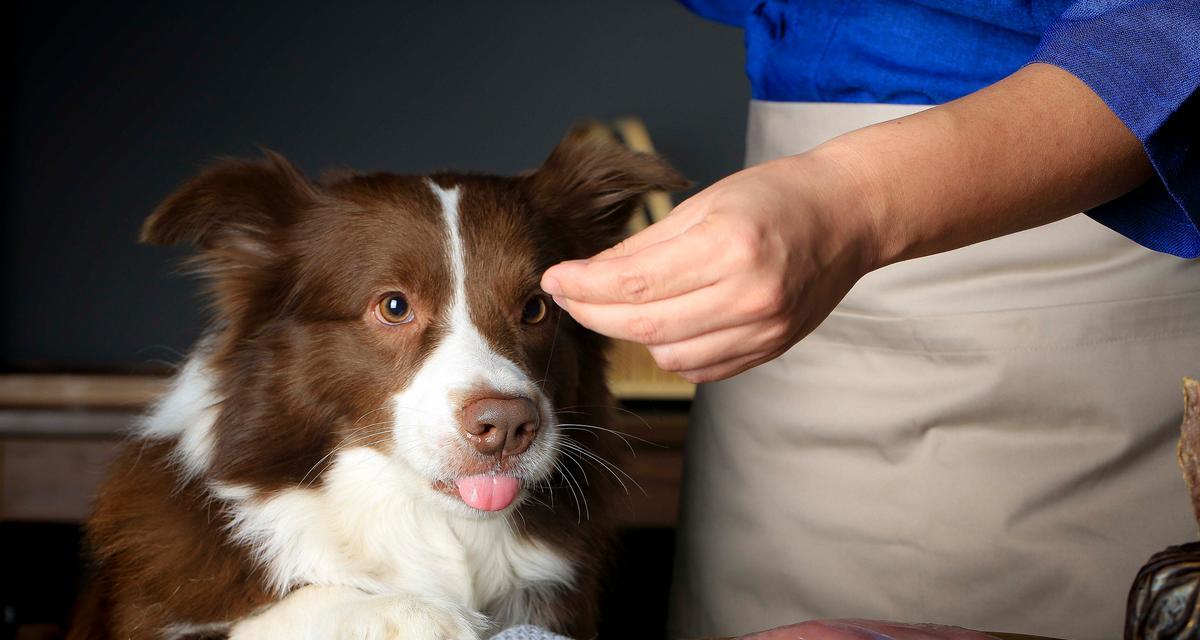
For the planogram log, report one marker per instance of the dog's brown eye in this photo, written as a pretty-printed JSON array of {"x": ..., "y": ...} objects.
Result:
[
  {"x": 394, "y": 309},
  {"x": 535, "y": 310}
]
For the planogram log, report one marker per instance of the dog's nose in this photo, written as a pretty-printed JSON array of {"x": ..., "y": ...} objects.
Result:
[{"x": 500, "y": 426}]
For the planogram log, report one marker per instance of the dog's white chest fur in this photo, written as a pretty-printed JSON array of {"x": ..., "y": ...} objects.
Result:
[
  {"x": 370, "y": 527},
  {"x": 367, "y": 528}
]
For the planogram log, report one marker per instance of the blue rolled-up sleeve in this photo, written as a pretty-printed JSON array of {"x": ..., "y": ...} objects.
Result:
[{"x": 1143, "y": 59}]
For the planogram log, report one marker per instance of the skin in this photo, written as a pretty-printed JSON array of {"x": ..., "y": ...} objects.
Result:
[{"x": 741, "y": 271}]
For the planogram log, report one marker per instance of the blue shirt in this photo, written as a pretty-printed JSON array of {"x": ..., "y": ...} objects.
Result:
[{"x": 1141, "y": 57}]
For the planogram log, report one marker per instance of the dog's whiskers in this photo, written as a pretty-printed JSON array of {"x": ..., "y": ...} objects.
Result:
[
  {"x": 613, "y": 408},
  {"x": 607, "y": 465},
  {"x": 625, "y": 437},
  {"x": 550, "y": 356},
  {"x": 352, "y": 438},
  {"x": 578, "y": 453},
  {"x": 569, "y": 478},
  {"x": 345, "y": 443}
]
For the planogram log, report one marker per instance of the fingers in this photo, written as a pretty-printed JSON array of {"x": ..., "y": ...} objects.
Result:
[
  {"x": 704, "y": 310},
  {"x": 725, "y": 370},
  {"x": 714, "y": 354},
  {"x": 722, "y": 354},
  {"x": 677, "y": 222},
  {"x": 719, "y": 347},
  {"x": 683, "y": 263}
]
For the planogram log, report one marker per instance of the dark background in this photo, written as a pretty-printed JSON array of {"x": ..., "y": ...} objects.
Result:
[{"x": 113, "y": 104}]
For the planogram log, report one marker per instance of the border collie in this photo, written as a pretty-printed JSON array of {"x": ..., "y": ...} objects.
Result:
[{"x": 378, "y": 437}]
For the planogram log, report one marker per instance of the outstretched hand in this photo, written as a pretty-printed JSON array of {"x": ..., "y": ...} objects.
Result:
[
  {"x": 733, "y": 277},
  {"x": 741, "y": 271}
]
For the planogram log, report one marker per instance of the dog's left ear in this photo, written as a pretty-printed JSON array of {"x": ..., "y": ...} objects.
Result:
[
  {"x": 236, "y": 213},
  {"x": 592, "y": 184},
  {"x": 233, "y": 206}
]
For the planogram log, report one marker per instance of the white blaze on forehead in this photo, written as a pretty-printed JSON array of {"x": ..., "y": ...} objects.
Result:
[
  {"x": 459, "y": 312},
  {"x": 426, "y": 410}
]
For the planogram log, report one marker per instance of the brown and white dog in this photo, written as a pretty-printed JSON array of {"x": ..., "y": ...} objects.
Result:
[{"x": 368, "y": 443}]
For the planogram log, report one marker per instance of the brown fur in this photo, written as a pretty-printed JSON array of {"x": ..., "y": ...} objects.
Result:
[{"x": 293, "y": 269}]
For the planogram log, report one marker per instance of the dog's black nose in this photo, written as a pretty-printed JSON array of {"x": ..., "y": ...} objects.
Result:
[{"x": 500, "y": 426}]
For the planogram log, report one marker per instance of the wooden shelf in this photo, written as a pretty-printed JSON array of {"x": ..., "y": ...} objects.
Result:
[
  {"x": 59, "y": 433},
  {"x": 60, "y": 391}
]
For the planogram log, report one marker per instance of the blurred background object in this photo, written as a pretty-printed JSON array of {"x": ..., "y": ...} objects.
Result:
[
  {"x": 112, "y": 105},
  {"x": 1164, "y": 601},
  {"x": 633, "y": 374}
]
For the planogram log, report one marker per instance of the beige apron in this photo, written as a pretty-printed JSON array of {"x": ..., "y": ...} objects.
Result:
[{"x": 982, "y": 438}]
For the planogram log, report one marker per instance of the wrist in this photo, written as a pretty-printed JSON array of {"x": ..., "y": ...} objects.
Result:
[{"x": 846, "y": 190}]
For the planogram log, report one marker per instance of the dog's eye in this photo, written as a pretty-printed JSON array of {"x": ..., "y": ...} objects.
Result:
[
  {"x": 393, "y": 309},
  {"x": 535, "y": 310}
]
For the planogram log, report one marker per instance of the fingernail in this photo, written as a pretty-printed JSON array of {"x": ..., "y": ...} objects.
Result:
[
  {"x": 551, "y": 286},
  {"x": 560, "y": 301}
]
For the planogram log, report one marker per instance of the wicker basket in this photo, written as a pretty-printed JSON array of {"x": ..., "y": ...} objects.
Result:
[{"x": 633, "y": 374}]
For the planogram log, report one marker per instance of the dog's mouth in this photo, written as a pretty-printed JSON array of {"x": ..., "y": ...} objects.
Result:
[{"x": 483, "y": 492}]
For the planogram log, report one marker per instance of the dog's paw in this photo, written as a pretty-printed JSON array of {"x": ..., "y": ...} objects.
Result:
[
  {"x": 409, "y": 618},
  {"x": 337, "y": 613}
]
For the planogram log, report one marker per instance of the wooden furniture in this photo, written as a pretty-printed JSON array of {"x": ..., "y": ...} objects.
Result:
[{"x": 59, "y": 432}]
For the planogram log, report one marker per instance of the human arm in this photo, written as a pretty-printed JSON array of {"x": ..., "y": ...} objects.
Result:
[{"x": 744, "y": 269}]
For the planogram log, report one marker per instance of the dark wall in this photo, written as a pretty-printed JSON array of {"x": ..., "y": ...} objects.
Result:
[{"x": 114, "y": 104}]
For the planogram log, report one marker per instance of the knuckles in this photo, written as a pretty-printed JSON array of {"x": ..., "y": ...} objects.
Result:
[
  {"x": 774, "y": 333},
  {"x": 764, "y": 298},
  {"x": 767, "y": 302},
  {"x": 746, "y": 245},
  {"x": 644, "y": 329},
  {"x": 634, "y": 286}
]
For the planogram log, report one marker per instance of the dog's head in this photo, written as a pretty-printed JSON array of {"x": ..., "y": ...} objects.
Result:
[{"x": 401, "y": 313}]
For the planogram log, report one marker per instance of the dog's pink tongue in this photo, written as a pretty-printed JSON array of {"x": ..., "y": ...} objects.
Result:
[{"x": 488, "y": 493}]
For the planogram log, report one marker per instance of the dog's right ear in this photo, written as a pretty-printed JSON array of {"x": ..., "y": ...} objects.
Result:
[
  {"x": 235, "y": 213},
  {"x": 591, "y": 184}
]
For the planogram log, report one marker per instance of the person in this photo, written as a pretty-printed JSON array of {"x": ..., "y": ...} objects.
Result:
[{"x": 977, "y": 428}]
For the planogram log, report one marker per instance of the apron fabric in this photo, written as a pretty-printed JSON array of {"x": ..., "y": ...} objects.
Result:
[{"x": 982, "y": 438}]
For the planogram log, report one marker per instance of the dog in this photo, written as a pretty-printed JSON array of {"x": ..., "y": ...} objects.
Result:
[{"x": 369, "y": 440}]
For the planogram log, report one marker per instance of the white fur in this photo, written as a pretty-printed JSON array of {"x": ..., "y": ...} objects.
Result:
[
  {"x": 370, "y": 527},
  {"x": 426, "y": 432},
  {"x": 187, "y": 412},
  {"x": 320, "y": 612},
  {"x": 373, "y": 547}
]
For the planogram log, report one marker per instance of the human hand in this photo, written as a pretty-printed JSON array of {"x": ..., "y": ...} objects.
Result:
[
  {"x": 736, "y": 274},
  {"x": 867, "y": 630},
  {"x": 741, "y": 271}
]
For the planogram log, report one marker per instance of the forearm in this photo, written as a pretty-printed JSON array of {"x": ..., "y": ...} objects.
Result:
[
  {"x": 1031, "y": 149},
  {"x": 742, "y": 270}
]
